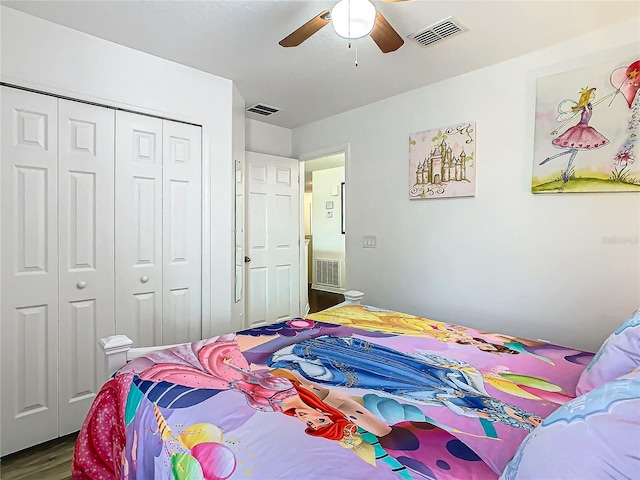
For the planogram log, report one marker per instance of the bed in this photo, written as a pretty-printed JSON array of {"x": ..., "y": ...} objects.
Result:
[{"x": 357, "y": 392}]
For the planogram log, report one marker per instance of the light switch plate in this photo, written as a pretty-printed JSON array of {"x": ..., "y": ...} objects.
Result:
[{"x": 369, "y": 241}]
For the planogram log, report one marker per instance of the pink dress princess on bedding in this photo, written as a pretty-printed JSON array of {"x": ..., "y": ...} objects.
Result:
[{"x": 221, "y": 366}]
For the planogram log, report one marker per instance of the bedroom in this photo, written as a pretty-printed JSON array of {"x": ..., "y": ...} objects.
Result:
[{"x": 562, "y": 269}]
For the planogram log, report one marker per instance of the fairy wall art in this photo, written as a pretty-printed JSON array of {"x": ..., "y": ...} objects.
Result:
[{"x": 586, "y": 130}]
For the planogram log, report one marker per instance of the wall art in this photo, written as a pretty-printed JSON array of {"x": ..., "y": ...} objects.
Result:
[
  {"x": 586, "y": 130},
  {"x": 442, "y": 162}
]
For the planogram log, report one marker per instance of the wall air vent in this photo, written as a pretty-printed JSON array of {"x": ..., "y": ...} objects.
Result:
[
  {"x": 438, "y": 31},
  {"x": 262, "y": 109},
  {"x": 328, "y": 272}
]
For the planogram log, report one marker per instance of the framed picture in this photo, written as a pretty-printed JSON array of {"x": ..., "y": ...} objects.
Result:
[
  {"x": 329, "y": 205},
  {"x": 342, "y": 211},
  {"x": 586, "y": 130},
  {"x": 442, "y": 162}
]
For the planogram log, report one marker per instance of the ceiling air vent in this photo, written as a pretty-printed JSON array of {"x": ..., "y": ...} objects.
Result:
[
  {"x": 438, "y": 31},
  {"x": 262, "y": 109}
]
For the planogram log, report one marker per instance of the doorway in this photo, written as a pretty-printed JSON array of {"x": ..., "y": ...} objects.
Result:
[{"x": 325, "y": 233}]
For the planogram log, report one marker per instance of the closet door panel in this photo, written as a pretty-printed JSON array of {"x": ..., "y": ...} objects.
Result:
[
  {"x": 29, "y": 273},
  {"x": 86, "y": 203},
  {"x": 182, "y": 233},
  {"x": 138, "y": 214}
]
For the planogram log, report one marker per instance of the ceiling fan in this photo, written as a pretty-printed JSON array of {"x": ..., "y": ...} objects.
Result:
[{"x": 351, "y": 19}]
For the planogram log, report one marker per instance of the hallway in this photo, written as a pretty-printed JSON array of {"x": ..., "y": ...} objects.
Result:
[{"x": 320, "y": 300}]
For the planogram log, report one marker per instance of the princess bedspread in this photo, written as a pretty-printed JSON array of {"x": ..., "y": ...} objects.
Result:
[{"x": 349, "y": 393}]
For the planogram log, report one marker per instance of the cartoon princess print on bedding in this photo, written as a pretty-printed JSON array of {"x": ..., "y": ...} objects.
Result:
[{"x": 424, "y": 378}]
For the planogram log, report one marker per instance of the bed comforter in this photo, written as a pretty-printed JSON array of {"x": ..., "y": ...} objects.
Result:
[{"x": 350, "y": 393}]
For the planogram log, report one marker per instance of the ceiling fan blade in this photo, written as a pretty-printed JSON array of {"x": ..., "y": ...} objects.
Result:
[
  {"x": 385, "y": 35},
  {"x": 306, "y": 30}
]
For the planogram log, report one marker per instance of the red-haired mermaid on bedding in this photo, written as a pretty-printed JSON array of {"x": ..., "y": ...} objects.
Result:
[
  {"x": 427, "y": 379},
  {"x": 326, "y": 413},
  {"x": 220, "y": 365},
  {"x": 416, "y": 441}
]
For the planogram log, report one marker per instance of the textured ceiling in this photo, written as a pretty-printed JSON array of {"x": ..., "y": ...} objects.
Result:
[{"x": 238, "y": 40}]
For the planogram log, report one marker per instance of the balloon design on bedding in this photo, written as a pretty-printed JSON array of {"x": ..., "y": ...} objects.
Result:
[{"x": 196, "y": 451}]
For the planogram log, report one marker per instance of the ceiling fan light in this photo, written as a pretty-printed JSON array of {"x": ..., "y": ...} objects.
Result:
[{"x": 353, "y": 18}]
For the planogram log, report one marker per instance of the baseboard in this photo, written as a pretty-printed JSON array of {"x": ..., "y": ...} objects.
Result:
[{"x": 325, "y": 288}]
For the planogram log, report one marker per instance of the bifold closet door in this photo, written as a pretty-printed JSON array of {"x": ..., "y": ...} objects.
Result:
[
  {"x": 29, "y": 266},
  {"x": 86, "y": 249},
  {"x": 138, "y": 227},
  {"x": 158, "y": 230},
  {"x": 182, "y": 233}
]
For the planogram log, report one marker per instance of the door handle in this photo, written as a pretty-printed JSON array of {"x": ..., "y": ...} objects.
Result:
[
  {"x": 247, "y": 259},
  {"x": 144, "y": 279},
  {"x": 81, "y": 285}
]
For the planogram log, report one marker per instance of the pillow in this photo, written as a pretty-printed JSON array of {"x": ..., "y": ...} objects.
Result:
[
  {"x": 593, "y": 436},
  {"x": 619, "y": 354}
]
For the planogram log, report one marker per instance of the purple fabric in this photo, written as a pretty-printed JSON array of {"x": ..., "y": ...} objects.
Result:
[
  {"x": 373, "y": 395},
  {"x": 619, "y": 354},
  {"x": 596, "y": 435}
]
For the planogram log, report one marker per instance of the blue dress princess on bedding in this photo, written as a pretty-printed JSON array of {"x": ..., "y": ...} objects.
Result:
[{"x": 423, "y": 378}]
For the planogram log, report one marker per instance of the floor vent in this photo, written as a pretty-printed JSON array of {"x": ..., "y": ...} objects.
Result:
[
  {"x": 328, "y": 272},
  {"x": 438, "y": 31},
  {"x": 262, "y": 109}
]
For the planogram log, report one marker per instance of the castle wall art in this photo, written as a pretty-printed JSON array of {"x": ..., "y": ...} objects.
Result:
[
  {"x": 586, "y": 130},
  {"x": 442, "y": 162}
]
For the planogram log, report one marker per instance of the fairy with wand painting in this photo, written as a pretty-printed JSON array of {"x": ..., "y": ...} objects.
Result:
[{"x": 582, "y": 136}]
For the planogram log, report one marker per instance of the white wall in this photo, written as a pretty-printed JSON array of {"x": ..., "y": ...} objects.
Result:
[
  {"x": 328, "y": 240},
  {"x": 505, "y": 260},
  {"x": 48, "y": 57},
  {"x": 265, "y": 138}
]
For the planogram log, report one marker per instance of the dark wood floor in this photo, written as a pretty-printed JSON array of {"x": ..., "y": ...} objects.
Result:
[
  {"x": 48, "y": 461},
  {"x": 52, "y": 460},
  {"x": 319, "y": 300}
]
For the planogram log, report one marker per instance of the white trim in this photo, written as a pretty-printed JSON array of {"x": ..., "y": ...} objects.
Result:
[
  {"x": 344, "y": 148},
  {"x": 303, "y": 280},
  {"x": 327, "y": 288},
  {"x": 327, "y": 152}
]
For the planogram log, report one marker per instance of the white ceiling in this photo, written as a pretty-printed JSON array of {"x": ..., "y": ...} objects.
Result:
[{"x": 238, "y": 40}]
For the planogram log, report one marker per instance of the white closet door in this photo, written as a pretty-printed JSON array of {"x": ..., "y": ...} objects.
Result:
[
  {"x": 29, "y": 259},
  {"x": 139, "y": 228},
  {"x": 86, "y": 196},
  {"x": 182, "y": 233}
]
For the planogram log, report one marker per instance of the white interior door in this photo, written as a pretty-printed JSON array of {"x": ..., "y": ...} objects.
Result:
[
  {"x": 29, "y": 260},
  {"x": 273, "y": 239},
  {"x": 138, "y": 229},
  {"x": 182, "y": 233},
  {"x": 86, "y": 240}
]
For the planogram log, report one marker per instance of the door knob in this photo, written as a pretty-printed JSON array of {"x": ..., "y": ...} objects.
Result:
[
  {"x": 81, "y": 285},
  {"x": 144, "y": 279},
  {"x": 247, "y": 259}
]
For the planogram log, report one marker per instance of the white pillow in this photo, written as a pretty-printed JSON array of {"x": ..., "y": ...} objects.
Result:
[{"x": 618, "y": 355}]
